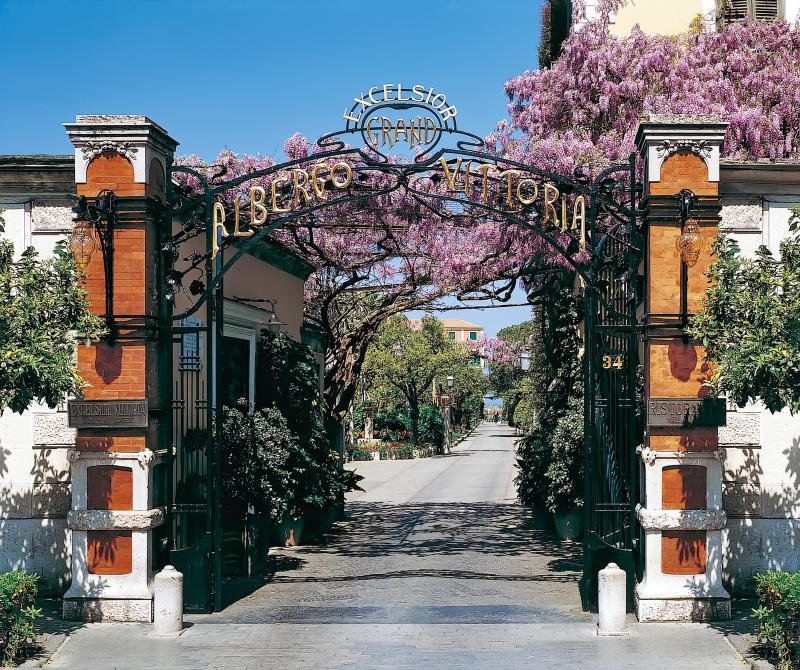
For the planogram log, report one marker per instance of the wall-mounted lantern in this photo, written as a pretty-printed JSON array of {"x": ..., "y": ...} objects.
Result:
[
  {"x": 82, "y": 244},
  {"x": 95, "y": 223},
  {"x": 271, "y": 321},
  {"x": 525, "y": 360},
  {"x": 690, "y": 244},
  {"x": 450, "y": 380}
]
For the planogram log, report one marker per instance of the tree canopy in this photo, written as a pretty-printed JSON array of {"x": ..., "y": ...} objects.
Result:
[
  {"x": 583, "y": 112},
  {"x": 406, "y": 357},
  {"x": 43, "y": 309},
  {"x": 750, "y": 323}
]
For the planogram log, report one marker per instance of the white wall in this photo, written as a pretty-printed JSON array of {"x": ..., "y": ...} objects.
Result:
[
  {"x": 792, "y": 10},
  {"x": 761, "y": 491},
  {"x": 34, "y": 470}
]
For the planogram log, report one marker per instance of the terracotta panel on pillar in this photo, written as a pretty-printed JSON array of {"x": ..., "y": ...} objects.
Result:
[
  {"x": 110, "y": 171},
  {"x": 683, "y": 552},
  {"x": 683, "y": 169},
  {"x": 664, "y": 287},
  {"x": 109, "y": 552},
  {"x": 109, "y": 487},
  {"x": 676, "y": 369},
  {"x": 683, "y": 487},
  {"x": 701, "y": 439}
]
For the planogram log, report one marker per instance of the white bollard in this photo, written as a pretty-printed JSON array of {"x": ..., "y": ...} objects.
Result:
[
  {"x": 168, "y": 602},
  {"x": 611, "y": 601}
]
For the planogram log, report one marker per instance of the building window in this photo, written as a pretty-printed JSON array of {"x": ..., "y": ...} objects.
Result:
[
  {"x": 763, "y": 10},
  {"x": 473, "y": 335},
  {"x": 238, "y": 365},
  {"x": 476, "y": 361},
  {"x": 235, "y": 371},
  {"x": 451, "y": 334}
]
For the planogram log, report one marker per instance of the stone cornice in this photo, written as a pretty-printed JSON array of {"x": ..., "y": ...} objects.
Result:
[
  {"x": 100, "y": 519},
  {"x": 678, "y": 519}
]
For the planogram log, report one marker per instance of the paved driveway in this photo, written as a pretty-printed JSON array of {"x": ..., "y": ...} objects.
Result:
[{"x": 436, "y": 568}]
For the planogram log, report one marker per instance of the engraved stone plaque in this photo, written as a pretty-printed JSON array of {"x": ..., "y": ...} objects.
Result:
[
  {"x": 685, "y": 412},
  {"x": 108, "y": 413}
]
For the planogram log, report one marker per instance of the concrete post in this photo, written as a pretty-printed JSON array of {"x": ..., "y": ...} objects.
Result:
[
  {"x": 168, "y": 602},
  {"x": 611, "y": 600}
]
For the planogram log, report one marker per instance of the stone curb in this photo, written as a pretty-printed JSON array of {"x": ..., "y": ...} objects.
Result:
[
  {"x": 465, "y": 436},
  {"x": 741, "y": 646},
  {"x": 51, "y": 644}
]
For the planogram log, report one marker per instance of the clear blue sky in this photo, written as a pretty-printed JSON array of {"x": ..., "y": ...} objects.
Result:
[{"x": 246, "y": 74}]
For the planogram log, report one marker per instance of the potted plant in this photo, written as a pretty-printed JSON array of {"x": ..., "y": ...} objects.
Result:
[
  {"x": 256, "y": 445},
  {"x": 533, "y": 459},
  {"x": 564, "y": 473}
]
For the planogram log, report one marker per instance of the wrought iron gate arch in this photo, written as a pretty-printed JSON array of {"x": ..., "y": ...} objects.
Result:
[{"x": 611, "y": 297}]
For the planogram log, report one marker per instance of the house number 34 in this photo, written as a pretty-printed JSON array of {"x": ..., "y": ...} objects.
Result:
[{"x": 610, "y": 362}]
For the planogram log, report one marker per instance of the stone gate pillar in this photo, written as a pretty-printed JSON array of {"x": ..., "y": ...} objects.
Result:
[
  {"x": 115, "y": 507},
  {"x": 682, "y": 512}
]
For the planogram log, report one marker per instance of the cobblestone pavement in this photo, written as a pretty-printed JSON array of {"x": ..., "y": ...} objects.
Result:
[{"x": 436, "y": 567}]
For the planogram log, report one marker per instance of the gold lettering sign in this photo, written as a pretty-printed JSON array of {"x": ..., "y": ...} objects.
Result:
[
  {"x": 518, "y": 190},
  {"x": 393, "y": 114},
  {"x": 305, "y": 187}
]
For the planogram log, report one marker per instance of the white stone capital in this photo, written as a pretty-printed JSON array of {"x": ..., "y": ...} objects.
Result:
[
  {"x": 135, "y": 137},
  {"x": 101, "y": 519},
  {"x": 663, "y": 135}
]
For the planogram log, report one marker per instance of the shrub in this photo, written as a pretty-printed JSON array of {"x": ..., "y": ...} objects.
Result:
[
  {"x": 778, "y": 616},
  {"x": 392, "y": 419},
  {"x": 431, "y": 425},
  {"x": 256, "y": 446},
  {"x": 361, "y": 455},
  {"x": 17, "y": 614},
  {"x": 564, "y": 473},
  {"x": 524, "y": 416},
  {"x": 533, "y": 459},
  {"x": 397, "y": 451},
  {"x": 288, "y": 380}
]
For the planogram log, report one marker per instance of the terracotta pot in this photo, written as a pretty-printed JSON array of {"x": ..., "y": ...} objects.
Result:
[
  {"x": 569, "y": 526},
  {"x": 291, "y": 531}
]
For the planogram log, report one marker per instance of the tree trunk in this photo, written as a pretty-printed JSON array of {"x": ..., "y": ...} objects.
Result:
[{"x": 413, "y": 413}]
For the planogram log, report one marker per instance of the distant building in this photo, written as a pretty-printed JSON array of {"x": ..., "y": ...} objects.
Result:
[
  {"x": 462, "y": 331},
  {"x": 459, "y": 330}
]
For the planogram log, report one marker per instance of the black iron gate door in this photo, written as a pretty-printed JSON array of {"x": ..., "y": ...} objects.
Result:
[
  {"x": 194, "y": 514},
  {"x": 190, "y": 528},
  {"x": 612, "y": 422}
]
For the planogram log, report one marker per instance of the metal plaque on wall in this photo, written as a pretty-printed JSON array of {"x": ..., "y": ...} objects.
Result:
[
  {"x": 107, "y": 413},
  {"x": 685, "y": 412}
]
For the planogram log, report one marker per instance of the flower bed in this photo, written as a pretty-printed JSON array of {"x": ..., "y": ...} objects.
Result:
[{"x": 393, "y": 451}]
